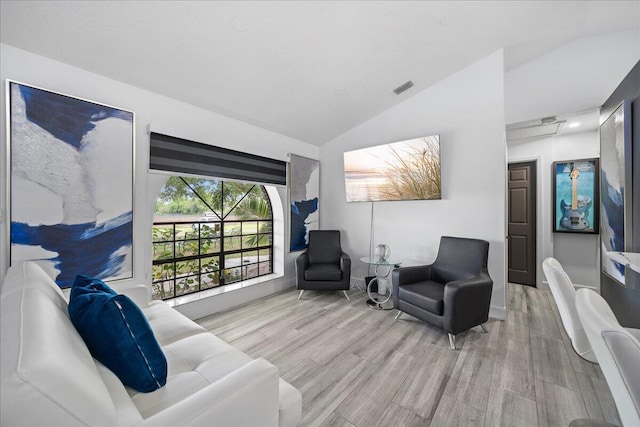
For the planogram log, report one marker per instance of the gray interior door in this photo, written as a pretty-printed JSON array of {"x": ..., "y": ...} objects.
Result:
[{"x": 522, "y": 223}]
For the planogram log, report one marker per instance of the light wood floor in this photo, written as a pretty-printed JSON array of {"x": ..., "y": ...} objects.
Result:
[{"x": 359, "y": 367}]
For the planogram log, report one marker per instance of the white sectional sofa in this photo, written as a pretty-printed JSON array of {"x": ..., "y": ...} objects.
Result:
[{"x": 50, "y": 379}]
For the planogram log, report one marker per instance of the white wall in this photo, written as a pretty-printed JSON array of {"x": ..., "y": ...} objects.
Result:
[
  {"x": 165, "y": 115},
  {"x": 574, "y": 77},
  {"x": 467, "y": 111},
  {"x": 578, "y": 253}
]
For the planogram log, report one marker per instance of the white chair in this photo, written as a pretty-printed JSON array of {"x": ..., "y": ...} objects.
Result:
[
  {"x": 617, "y": 350},
  {"x": 565, "y": 296}
]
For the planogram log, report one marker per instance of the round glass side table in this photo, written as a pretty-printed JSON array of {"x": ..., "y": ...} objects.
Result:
[{"x": 382, "y": 271}]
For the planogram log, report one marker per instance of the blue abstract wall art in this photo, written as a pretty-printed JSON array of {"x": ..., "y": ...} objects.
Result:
[
  {"x": 615, "y": 190},
  {"x": 304, "y": 196},
  {"x": 71, "y": 185}
]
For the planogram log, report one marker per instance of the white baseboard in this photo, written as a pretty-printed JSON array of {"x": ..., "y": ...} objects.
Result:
[
  {"x": 357, "y": 280},
  {"x": 498, "y": 312}
]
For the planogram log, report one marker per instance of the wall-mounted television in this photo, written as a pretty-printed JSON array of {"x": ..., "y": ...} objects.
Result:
[{"x": 405, "y": 170}]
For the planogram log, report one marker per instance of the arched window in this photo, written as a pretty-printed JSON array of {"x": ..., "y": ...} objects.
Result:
[{"x": 209, "y": 233}]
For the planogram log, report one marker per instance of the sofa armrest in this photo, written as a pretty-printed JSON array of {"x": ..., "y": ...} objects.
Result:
[
  {"x": 302, "y": 262},
  {"x": 467, "y": 302},
  {"x": 247, "y": 396},
  {"x": 345, "y": 265},
  {"x": 138, "y": 294}
]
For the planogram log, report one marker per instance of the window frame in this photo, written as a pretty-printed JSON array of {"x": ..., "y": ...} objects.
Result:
[{"x": 225, "y": 273}]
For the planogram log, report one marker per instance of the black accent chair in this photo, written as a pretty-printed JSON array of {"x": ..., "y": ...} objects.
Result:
[
  {"x": 453, "y": 293},
  {"x": 324, "y": 266}
]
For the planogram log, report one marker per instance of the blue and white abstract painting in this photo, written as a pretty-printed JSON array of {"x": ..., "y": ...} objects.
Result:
[
  {"x": 71, "y": 185},
  {"x": 304, "y": 194},
  {"x": 613, "y": 145}
]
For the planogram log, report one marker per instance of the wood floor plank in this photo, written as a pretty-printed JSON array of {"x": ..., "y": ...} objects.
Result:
[
  {"x": 454, "y": 413},
  {"x": 220, "y": 322},
  {"x": 551, "y": 362},
  {"x": 247, "y": 342},
  {"x": 517, "y": 298},
  {"x": 336, "y": 420},
  {"x": 513, "y": 369},
  {"x": 367, "y": 406},
  {"x": 542, "y": 323},
  {"x": 536, "y": 298},
  {"x": 272, "y": 347},
  {"x": 338, "y": 341},
  {"x": 358, "y": 367},
  {"x": 362, "y": 409},
  {"x": 507, "y": 409},
  {"x": 470, "y": 381},
  {"x": 598, "y": 399},
  {"x": 314, "y": 379},
  {"x": 321, "y": 406},
  {"x": 247, "y": 328},
  {"x": 422, "y": 391},
  {"x": 517, "y": 326},
  {"x": 560, "y": 405},
  {"x": 397, "y": 416},
  {"x": 581, "y": 365},
  {"x": 495, "y": 328}
]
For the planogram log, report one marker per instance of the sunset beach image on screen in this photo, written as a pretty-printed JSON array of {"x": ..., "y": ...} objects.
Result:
[{"x": 405, "y": 170}]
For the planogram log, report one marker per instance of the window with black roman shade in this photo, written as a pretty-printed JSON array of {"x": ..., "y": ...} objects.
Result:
[{"x": 182, "y": 156}]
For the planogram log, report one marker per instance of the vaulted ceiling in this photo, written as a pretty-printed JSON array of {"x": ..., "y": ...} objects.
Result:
[{"x": 310, "y": 70}]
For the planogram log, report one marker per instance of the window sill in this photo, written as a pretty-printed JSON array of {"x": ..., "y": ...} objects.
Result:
[{"x": 185, "y": 299}]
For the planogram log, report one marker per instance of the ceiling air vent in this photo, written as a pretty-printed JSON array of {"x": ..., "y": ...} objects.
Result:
[
  {"x": 403, "y": 87},
  {"x": 541, "y": 129}
]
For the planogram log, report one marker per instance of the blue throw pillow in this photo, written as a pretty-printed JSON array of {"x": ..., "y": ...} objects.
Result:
[{"x": 117, "y": 334}]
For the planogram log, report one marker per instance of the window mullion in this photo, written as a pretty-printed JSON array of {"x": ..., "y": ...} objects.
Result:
[
  {"x": 192, "y": 258},
  {"x": 237, "y": 203},
  {"x": 222, "y": 267},
  {"x": 175, "y": 264}
]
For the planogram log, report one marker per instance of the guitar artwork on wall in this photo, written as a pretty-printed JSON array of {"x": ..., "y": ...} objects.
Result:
[{"x": 574, "y": 214}]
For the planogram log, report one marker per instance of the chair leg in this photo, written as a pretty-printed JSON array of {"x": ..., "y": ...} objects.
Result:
[
  {"x": 484, "y": 328},
  {"x": 452, "y": 341},
  {"x": 398, "y": 315},
  {"x": 346, "y": 295},
  {"x": 301, "y": 292}
]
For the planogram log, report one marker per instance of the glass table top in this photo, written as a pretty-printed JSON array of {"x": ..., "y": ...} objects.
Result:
[{"x": 378, "y": 261}]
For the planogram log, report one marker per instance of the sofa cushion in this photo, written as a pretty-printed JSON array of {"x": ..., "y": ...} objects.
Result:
[
  {"x": 118, "y": 334},
  {"x": 426, "y": 294},
  {"x": 168, "y": 324},
  {"x": 48, "y": 375},
  {"x": 329, "y": 272},
  {"x": 193, "y": 363},
  {"x": 126, "y": 412},
  {"x": 29, "y": 274},
  {"x": 324, "y": 247},
  {"x": 196, "y": 353}
]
